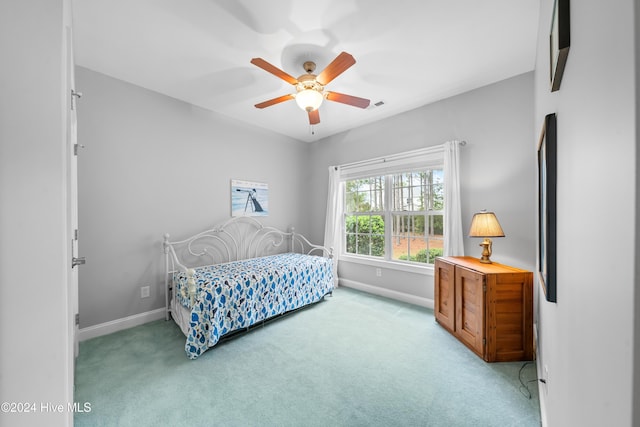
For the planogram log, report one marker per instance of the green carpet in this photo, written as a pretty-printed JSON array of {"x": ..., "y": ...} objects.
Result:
[{"x": 353, "y": 360}]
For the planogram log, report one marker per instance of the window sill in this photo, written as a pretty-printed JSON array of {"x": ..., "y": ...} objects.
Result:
[{"x": 426, "y": 269}]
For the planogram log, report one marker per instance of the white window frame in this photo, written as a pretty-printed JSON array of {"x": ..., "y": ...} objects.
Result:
[{"x": 413, "y": 161}]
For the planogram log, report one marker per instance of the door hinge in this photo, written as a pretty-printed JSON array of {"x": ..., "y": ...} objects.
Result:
[
  {"x": 74, "y": 96},
  {"x": 75, "y": 234},
  {"x": 484, "y": 342},
  {"x": 76, "y": 147},
  {"x": 77, "y": 319},
  {"x": 75, "y": 261}
]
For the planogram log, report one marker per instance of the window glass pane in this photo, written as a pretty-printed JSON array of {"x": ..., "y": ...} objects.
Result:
[
  {"x": 364, "y": 244},
  {"x": 377, "y": 245},
  {"x": 435, "y": 236},
  {"x": 409, "y": 241},
  {"x": 436, "y": 226},
  {"x": 365, "y": 195},
  {"x": 377, "y": 235},
  {"x": 437, "y": 190},
  {"x": 364, "y": 224},
  {"x": 350, "y": 223},
  {"x": 351, "y": 243},
  {"x": 418, "y": 191},
  {"x": 365, "y": 234}
]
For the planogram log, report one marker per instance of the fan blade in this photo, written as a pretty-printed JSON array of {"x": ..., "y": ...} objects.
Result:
[
  {"x": 259, "y": 62},
  {"x": 348, "y": 99},
  {"x": 274, "y": 101},
  {"x": 338, "y": 66},
  {"x": 314, "y": 117}
]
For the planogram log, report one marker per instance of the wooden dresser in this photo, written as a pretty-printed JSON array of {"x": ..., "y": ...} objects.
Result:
[{"x": 488, "y": 307}]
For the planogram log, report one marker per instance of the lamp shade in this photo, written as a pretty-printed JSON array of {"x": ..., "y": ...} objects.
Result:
[
  {"x": 309, "y": 99},
  {"x": 485, "y": 224}
]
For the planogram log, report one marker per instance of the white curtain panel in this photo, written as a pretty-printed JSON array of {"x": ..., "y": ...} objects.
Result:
[
  {"x": 453, "y": 237},
  {"x": 333, "y": 221}
]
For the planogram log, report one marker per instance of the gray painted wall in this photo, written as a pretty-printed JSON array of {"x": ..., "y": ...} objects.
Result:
[
  {"x": 498, "y": 172},
  {"x": 636, "y": 328},
  {"x": 153, "y": 165},
  {"x": 586, "y": 340}
]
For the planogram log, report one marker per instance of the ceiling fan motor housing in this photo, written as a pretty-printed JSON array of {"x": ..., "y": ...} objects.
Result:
[
  {"x": 308, "y": 81},
  {"x": 309, "y": 66}
]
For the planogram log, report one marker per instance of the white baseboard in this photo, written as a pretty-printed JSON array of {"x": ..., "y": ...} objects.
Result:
[
  {"x": 120, "y": 324},
  {"x": 388, "y": 293},
  {"x": 541, "y": 392}
]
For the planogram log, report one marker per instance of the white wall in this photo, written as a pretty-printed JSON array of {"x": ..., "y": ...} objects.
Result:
[
  {"x": 36, "y": 349},
  {"x": 586, "y": 340},
  {"x": 497, "y": 172},
  {"x": 153, "y": 165},
  {"x": 636, "y": 328}
]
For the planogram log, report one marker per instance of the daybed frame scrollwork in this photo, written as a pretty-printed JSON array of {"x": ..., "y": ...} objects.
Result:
[{"x": 236, "y": 239}]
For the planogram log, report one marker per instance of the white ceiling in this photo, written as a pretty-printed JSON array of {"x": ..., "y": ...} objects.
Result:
[{"x": 408, "y": 52}]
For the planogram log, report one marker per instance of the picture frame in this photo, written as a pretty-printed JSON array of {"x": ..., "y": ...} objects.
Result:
[
  {"x": 547, "y": 178},
  {"x": 559, "y": 42},
  {"x": 249, "y": 198}
]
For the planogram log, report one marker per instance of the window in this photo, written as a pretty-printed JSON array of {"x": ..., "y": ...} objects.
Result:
[
  {"x": 396, "y": 216},
  {"x": 399, "y": 211}
]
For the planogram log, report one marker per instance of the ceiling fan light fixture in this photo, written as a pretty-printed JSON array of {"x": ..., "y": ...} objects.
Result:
[
  {"x": 310, "y": 88},
  {"x": 309, "y": 99}
]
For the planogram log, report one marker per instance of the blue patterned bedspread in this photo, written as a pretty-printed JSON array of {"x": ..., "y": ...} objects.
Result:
[{"x": 236, "y": 295}]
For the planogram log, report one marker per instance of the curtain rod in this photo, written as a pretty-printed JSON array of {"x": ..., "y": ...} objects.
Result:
[{"x": 397, "y": 156}]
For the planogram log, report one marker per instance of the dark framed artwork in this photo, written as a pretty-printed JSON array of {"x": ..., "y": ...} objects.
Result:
[
  {"x": 547, "y": 174},
  {"x": 559, "y": 42}
]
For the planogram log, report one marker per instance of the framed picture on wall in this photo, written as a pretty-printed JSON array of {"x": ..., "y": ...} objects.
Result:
[
  {"x": 249, "y": 198},
  {"x": 547, "y": 173},
  {"x": 559, "y": 42}
]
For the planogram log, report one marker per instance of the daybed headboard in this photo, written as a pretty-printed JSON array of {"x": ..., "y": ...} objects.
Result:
[{"x": 236, "y": 239}]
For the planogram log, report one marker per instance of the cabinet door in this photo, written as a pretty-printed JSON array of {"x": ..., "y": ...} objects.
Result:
[
  {"x": 509, "y": 317},
  {"x": 470, "y": 316},
  {"x": 444, "y": 294}
]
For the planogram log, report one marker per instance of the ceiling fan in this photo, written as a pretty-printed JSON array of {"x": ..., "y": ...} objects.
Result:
[{"x": 310, "y": 87}]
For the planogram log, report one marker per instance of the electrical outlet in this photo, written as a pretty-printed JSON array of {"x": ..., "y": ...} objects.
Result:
[
  {"x": 378, "y": 272},
  {"x": 144, "y": 292}
]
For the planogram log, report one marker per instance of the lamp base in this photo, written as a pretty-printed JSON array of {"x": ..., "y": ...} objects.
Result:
[{"x": 486, "y": 251}]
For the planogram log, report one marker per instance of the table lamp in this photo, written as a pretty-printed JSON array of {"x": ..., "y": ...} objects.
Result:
[{"x": 485, "y": 224}]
